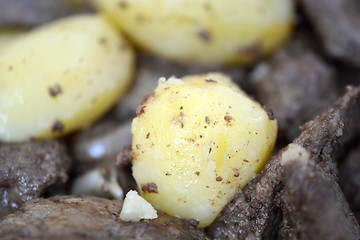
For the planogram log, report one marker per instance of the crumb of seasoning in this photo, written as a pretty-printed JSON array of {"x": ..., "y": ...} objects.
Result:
[
  {"x": 148, "y": 135},
  {"x": 210, "y": 80},
  {"x": 149, "y": 187},
  {"x": 197, "y": 173},
  {"x": 103, "y": 40},
  {"x": 204, "y": 34},
  {"x": 228, "y": 119},
  {"x": 246, "y": 160},
  {"x": 182, "y": 125},
  {"x": 269, "y": 112},
  {"x": 55, "y": 90},
  {"x": 140, "y": 110},
  {"x": 207, "y": 120},
  {"x": 236, "y": 172},
  {"x": 123, "y": 4},
  {"x": 167, "y": 174},
  {"x": 219, "y": 179},
  {"x": 57, "y": 127}
]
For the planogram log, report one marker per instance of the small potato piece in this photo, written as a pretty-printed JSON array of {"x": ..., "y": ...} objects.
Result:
[
  {"x": 195, "y": 142},
  {"x": 60, "y": 77},
  {"x": 208, "y": 32}
]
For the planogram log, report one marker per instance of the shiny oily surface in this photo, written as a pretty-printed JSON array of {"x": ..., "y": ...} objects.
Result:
[
  {"x": 196, "y": 141},
  {"x": 208, "y": 32},
  {"x": 61, "y": 77}
]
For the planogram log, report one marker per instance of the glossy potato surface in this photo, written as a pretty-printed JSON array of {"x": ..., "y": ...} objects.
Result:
[
  {"x": 208, "y": 32},
  {"x": 61, "y": 77},
  {"x": 196, "y": 141}
]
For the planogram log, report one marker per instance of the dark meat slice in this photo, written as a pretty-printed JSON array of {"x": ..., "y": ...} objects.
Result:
[
  {"x": 349, "y": 179},
  {"x": 254, "y": 207},
  {"x": 30, "y": 13},
  {"x": 325, "y": 136},
  {"x": 337, "y": 23},
  {"x": 73, "y": 218},
  {"x": 313, "y": 205},
  {"x": 297, "y": 85},
  {"x": 27, "y": 169}
]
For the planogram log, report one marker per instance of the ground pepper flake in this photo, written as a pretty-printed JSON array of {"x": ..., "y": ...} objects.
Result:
[
  {"x": 57, "y": 127},
  {"x": 55, "y": 90},
  {"x": 149, "y": 187}
]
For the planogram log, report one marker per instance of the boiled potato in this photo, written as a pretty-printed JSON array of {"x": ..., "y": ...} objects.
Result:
[
  {"x": 208, "y": 32},
  {"x": 61, "y": 77},
  {"x": 196, "y": 141}
]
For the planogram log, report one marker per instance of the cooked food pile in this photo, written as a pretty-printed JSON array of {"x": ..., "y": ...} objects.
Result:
[
  {"x": 178, "y": 105},
  {"x": 196, "y": 141}
]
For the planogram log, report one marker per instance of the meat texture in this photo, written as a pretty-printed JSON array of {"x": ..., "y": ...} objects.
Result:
[
  {"x": 313, "y": 205},
  {"x": 349, "y": 179},
  {"x": 291, "y": 83},
  {"x": 337, "y": 23},
  {"x": 27, "y": 169},
  {"x": 76, "y": 218}
]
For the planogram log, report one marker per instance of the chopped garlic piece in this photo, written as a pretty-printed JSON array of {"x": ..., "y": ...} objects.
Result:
[
  {"x": 295, "y": 152},
  {"x": 136, "y": 208}
]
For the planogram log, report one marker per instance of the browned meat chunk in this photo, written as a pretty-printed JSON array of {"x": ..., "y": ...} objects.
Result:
[
  {"x": 297, "y": 86},
  {"x": 27, "y": 169},
  {"x": 76, "y": 218},
  {"x": 337, "y": 23}
]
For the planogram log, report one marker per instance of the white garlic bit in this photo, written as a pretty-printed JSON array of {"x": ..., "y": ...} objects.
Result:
[{"x": 136, "y": 208}]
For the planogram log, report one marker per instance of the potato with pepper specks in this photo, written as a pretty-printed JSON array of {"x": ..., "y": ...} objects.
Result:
[
  {"x": 196, "y": 141},
  {"x": 61, "y": 77},
  {"x": 208, "y": 32}
]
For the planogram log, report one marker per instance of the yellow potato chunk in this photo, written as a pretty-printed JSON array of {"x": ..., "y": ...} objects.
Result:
[
  {"x": 208, "y": 32},
  {"x": 61, "y": 77},
  {"x": 196, "y": 141}
]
